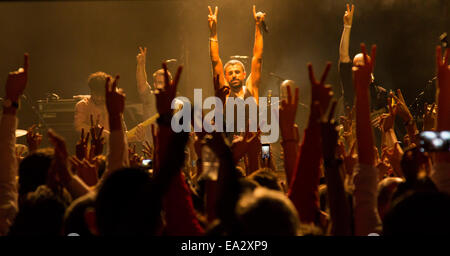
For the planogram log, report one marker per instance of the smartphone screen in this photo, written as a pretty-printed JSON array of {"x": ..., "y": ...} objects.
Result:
[
  {"x": 432, "y": 141},
  {"x": 265, "y": 150}
]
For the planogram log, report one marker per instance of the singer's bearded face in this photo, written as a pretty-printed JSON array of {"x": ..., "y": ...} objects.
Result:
[{"x": 235, "y": 76}]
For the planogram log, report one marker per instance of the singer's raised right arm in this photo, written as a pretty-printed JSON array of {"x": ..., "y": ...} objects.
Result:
[
  {"x": 214, "y": 47},
  {"x": 257, "y": 53}
]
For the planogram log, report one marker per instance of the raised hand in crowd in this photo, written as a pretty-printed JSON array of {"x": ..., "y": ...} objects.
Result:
[
  {"x": 345, "y": 38},
  {"x": 320, "y": 92},
  {"x": 429, "y": 117},
  {"x": 384, "y": 166},
  {"x": 404, "y": 112},
  {"x": 348, "y": 15},
  {"x": 97, "y": 140},
  {"x": 228, "y": 188},
  {"x": 141, "y": 74},
  {"x": 15, "y": 86},
  {"x": 349, "y": 157},
  {"x": 440, "y": 175},
  {"x": 86, "y": 170},
  {"x": 60, "y": 174},
  {"x": 402, "y": 108},
  {"x": 165, "y": 95},
  {"x": 387, "y": 121},
  {"x": 141, "y": 57},
  {"x": 366, "y": 178},
  {"x": 340, "y": 211},
  {"x": 118, "y": 146},
  {"x": 16, "y": 82},
  {"x": 328, "y": 128},
  {"x": 20, "y": 153},
  {"x": 394, "y": 155},
  {"x": 289, "y": 131},
  {"x": 156, "y": 148},
  {"x": 306, "y": 176},
  {"x": 241, "y": 144},
  {"x": 148, "y": 150},
  {"x": 81, "y": 147},
  {"x": 347, "y": 124},
  {"x": 34, "y": 139},
  {"x": 115, "y": 103},
  {"x": 135, "y": 159},
  {"x": 361, "y": 80}
]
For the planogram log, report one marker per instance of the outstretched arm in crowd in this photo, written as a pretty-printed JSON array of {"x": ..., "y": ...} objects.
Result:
[
  {"x": 441, "y": 174},
  {"x": 141, "y": 75},
  {"x": 118, "y": 146},
  {"x": 366, "y": 178},
  {"x": 179, "y": 209},
  {"x": 60, "y": 173},
  {"x": 180, "y": 216},
  {"x": 345, "y": 38},
  {"x": 255, "y": 79},
  {"x": 15, "y": 85},
  {"x": 217, "y": 64},
  {"x": 340, "y": 211},
  {"x": 289, "y": 132},
  {"x": 304, "y": 188},
  {"x": 405, "y": 115},
  {"x": 345, "y": 63},
  {"x": 228, "y": 188}
]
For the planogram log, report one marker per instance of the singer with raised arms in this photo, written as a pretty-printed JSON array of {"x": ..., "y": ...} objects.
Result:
[{"x": 232, "y": 80}]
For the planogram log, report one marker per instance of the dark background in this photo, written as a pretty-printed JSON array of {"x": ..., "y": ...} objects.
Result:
[{"x": 68, "y": 40}]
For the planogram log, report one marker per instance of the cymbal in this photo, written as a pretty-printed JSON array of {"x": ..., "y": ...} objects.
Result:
[{"x": 20, "y": 133}]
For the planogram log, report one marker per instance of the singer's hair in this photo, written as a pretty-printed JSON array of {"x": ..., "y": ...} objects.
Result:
[{"x": 232, "y": 63}]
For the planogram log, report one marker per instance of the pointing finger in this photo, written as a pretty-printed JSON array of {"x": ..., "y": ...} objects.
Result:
[
  {"x": 311, "y": 74},
  {"x": 114, "y": 85},
  {"x": 25, "y": 62},
  {"x": 325, "y": 73}
]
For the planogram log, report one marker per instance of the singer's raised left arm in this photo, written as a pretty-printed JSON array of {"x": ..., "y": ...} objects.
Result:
[{"x": 255, "y": 78}]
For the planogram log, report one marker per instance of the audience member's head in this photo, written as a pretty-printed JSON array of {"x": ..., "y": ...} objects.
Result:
[
  {"x": 386, "y": 189},
  {"x": 425, "y": 213},
  {"x": 74, "y": 218},
  {"x": 266, "y": 178},
  {"x": 33, "y": 170},
  {"x": 127, "y": 204},
  {"x": 266, "y": 212},
  {"x": 415, "y": 164},
  {"x": 41, "y": 213}
]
